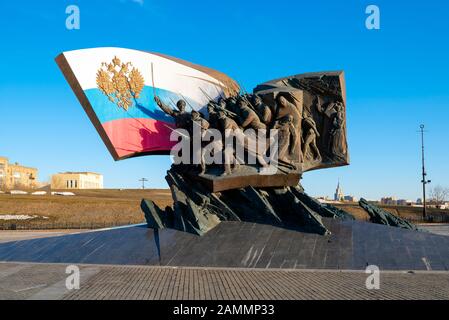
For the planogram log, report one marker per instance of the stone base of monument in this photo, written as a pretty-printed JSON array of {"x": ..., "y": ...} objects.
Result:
[
  {"x": 248, "y": 227},
  {"x": 197, "y": 209},
  {"x": 352, "y": 245},
  {"x": 246, "y": 175}
]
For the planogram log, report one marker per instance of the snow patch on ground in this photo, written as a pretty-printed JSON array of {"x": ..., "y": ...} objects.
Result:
[{"x": 19, "y": 217}]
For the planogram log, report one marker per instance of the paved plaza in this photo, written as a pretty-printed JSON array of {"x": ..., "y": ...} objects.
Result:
[
  {"x": 47, "y": 281},
  {"x": 436, "y": 228},
  {"x": 16, "y": 235}
]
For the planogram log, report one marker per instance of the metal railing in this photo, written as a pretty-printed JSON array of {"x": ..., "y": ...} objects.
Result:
[
  {"x": 428, "y": 219},
  {"x": 45, "y": 225}
]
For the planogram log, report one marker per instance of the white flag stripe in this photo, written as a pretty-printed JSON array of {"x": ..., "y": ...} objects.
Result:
[{"x": 168, "y": 74}]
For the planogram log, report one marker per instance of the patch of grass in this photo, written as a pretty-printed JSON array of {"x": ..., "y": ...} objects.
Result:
[
  {"x": 100, "y": 208},
  {"x": 110, "y": 207},
  {"x": 413, "y": 214}
]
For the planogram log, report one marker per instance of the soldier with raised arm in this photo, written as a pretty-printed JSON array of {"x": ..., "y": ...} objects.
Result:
[{"x": 181, "y": 117}]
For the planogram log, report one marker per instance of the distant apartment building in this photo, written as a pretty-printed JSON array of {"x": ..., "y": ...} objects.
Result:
[
  {"x": 16, "y": 176},
  {"x": 350, "y": 198},
  {"x": 77, "y": 180},
  {"x": 404, "y": 202},
  {"x": 438, "y": 205},
  {"x": 389, "y": 201}
]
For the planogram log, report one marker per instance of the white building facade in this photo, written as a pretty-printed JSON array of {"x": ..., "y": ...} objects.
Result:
[{"x": 77, "y": 180}]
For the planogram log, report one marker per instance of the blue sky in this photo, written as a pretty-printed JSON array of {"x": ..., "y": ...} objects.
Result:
[{"x": 396, "y": 77}]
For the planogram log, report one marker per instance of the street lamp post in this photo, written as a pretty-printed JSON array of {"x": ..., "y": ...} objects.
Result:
[{"x": 424, "y": 174}]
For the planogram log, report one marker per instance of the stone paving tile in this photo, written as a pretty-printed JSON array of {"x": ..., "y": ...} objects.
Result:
[
  {"x": 23, "y": 280},
  {"x": 118, "y": 282},
  {"x": 26, "y": 280}
]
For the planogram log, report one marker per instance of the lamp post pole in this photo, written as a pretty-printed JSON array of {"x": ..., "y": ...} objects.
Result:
[{"x": 424, "y": 174}]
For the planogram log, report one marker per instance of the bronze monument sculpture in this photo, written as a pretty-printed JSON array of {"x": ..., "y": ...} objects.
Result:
[
  {"x": 238, "y": 156},
  {"x": 304, "y": 114}
]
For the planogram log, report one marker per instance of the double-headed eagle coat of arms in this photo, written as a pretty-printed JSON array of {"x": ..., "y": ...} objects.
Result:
[{"x": 120, "y": 82}]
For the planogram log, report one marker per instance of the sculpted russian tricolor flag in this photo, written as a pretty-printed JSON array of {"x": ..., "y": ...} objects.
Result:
[{"x": 117, "y": 86}]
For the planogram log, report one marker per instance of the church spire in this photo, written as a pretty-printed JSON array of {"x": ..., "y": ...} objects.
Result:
[{"x": 338, "y": 196}]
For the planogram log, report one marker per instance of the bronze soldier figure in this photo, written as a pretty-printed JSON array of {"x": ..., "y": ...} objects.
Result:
[
  {"x": 288, "y": 138},
  {"x": 228, "y": 125},
  {"x": 248, "y": 118},
  {"x": 203, "y": 125},
  {"x": 262, "y": 110},
  {"x": 285, "y": 108},
  {"x": 213, "y": 115},
  {"x": 309, "y": 143},
  {"x": 338, "y": 145},
  {"x": 182, "y": 118}
]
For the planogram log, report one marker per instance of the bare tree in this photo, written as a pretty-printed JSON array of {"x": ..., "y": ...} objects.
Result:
[{"x": 439, "y": 194}]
